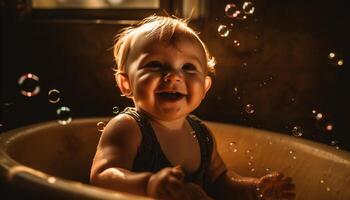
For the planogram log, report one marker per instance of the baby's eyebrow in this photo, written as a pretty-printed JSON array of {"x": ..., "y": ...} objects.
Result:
[{"x": 197, "y": 60}]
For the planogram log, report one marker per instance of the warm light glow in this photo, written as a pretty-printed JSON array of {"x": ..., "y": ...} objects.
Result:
[{"x": 329, "y": 127}]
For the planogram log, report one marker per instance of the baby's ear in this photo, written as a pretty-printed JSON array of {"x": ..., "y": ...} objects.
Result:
[
  {"x": 207, "y": 83},
  {"x": 123, "y": 84}
]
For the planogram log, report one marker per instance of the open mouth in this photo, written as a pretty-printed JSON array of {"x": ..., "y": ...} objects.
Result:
[{"x": 172, "y": 96}]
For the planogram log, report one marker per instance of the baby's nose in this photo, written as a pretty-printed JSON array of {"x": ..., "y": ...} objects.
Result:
[{"x": 173, "y": 77}]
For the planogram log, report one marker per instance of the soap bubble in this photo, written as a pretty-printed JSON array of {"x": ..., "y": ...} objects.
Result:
[
  {"x": 54, "y": 96},
  {"x": 336, "y": 59},
  {"x": 249, "y": 108},
  {"x": 101, "y": 126},
  {"x": 232, "y": 147},
  {"x": 193, "y": 133},
  {"x": 335, "y": 144},
  {"x": 29, "y": 84},
  {"x": 223, "y": 31},
  {"x": 231, "y": 10},
  {"x": 248, "y": 8},
  {"x": 319, "y": 116},
  {"x": 236, "y": 43},
  {"x": 235, "y": 90},
  {"x": 64, "y": 115},
  {"x": 297, "y": 131},
  {"x": 331, "y": 55},
  {"x": 340, "y": 62},
  {"x": 115, "y": 110}
]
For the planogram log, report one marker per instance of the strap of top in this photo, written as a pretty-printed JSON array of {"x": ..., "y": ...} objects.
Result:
[{"x": 151, "y": 158}]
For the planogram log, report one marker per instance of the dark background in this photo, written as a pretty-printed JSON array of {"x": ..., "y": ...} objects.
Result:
[{"x": 281, "y": 66}]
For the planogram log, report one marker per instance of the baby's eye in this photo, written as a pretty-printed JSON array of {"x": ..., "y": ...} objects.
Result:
[
  {"x": 153, "y": 65},
  {"x": 189, "y": 67}
]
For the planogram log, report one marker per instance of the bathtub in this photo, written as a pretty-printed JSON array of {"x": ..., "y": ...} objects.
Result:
[{"x": 49, "y": 160}]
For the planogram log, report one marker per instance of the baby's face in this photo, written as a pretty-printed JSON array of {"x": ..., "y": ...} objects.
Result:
[{"x": 167, "y": 80}]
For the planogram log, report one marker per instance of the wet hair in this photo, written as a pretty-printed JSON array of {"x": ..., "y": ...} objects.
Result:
[{"x": 159, "y": 27}]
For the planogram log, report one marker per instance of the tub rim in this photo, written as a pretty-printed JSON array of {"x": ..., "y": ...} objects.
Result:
[
  {"x": 16, "y": 173},
  {"x": 70, "y": 188}
]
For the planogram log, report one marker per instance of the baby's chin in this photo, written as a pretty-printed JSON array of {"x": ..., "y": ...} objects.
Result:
[{"x": 167, "y": 114}]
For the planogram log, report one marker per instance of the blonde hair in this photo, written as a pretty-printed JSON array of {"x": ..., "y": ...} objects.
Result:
[{"x": 162, "y": 27}]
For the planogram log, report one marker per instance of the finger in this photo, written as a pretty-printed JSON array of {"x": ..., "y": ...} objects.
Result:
[
  {"x": 178, "y": 172},
  {"x": 175, "y": 188}
]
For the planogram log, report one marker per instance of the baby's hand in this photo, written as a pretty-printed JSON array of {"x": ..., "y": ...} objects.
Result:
[
  {"x": 275, "y": 186},
  {"x": 167, "y": 184}
]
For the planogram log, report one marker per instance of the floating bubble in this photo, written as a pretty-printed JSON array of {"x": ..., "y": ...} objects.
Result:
[
  {"x": 267, "y": 169},
  {"x": 231, "y": 10},
  {"x": 232, "y": 147},
  {"x": 223, "y": 31},
  {"x": 236, "y": 43},
  {"x": 64, "y": 115},
  {"x": 101, "y": 126},
  {"x": 249, "y": 108},
  {"x": 115, "y": 110},
  {"x": 7, "y": 107},
  {"x": 193, "y": 133},
  {"x": 249, "y": 154},
  {"x": 336, "y": 59},
  {"x": 54, "y": 96},
  {"x": 252, "y": 169},
  {"x": 313, "y": 111},
  {"x": 322, "y": 181},
  {"x": 297, "y": 131},
  {"x": 29, "y": 84},
  {"x": 331, "y": 55},
  {"x": 328, "y": 189},
  {"x": 248, "y": 8},
  {"x": 235, "y": 91},
  {"x": 335, "y": 144},
  {"x": 340, "y": 62},
  {"x": 250, "y": 163},
  {"x": 319, "y": 116}
]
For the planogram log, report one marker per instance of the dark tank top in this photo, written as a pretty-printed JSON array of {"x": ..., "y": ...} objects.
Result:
[{"x": 150, "y": 157}]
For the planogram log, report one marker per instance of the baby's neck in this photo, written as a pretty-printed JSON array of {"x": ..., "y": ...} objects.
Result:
[{"x": 177, "y": 124}]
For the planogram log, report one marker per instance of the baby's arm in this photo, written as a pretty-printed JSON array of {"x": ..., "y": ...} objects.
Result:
[
  {"x": 229, "y": 185},
  {"x": 114, "y": 157}
]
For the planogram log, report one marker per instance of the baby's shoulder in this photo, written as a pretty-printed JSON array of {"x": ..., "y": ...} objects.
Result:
[{"x": 122, "y": 127}]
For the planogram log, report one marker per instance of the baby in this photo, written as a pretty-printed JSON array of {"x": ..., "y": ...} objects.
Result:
[{"x": 158, "y": 149}]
